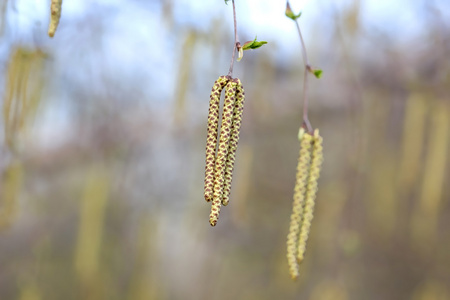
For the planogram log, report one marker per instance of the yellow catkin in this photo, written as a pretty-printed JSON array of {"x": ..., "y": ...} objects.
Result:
[
  {"x": 303, "y": 165},
  {"x": 235, "y": 130},
  {"x": 222, "y": 151},
  {"x": 310, "y": 195},
  {"x": 55, "y": 15},
  {"x": 211, "y": 139}
]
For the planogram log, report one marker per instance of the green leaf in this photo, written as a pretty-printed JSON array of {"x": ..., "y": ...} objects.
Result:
[
  {"x": 290, "y": 14},
  {"x": 226, "y": 2},
  {"x": 250, "y": 45},
  {"x": 317, "y": 73},
  {"x": 257, "y": 44}
]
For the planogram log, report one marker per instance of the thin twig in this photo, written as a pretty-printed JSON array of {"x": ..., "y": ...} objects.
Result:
[
  {"x": 304, "y": 54},
  {"x": 306, "y": 122},
  {"x": 308, "y": 69},
  {"x": 236, "y": 41}
]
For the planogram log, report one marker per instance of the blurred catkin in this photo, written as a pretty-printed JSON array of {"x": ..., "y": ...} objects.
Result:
[
  {"x": 184, "y": 69},
  {"x": 427, "y": 212},
  {"x": 144, "y": 284},
  {"x": 23, "y": 92},
  {"x": 412, "y": 142},
  {"x": 431, "y": 290},
  {"x": 55, "y": 15},
  {"x": 30, "y": 292},
  {"x": 433, "y": 181},
  {"x": 12, "y": 180},
  {"x": 329, "y": 290},
  {"x": 222, "y": 151},
  {"x": 234, "y": 140},
  {"x": 383, "y": 203},
  {"x": 310, "y": 195},
  {"x": 304, "y": 161},
  {"x": 13, "y": 98},
  {"x": 212, "y": 131},
  {"x": 90, "y": 231}
]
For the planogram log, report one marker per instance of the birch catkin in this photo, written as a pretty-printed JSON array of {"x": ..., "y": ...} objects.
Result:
[
  {"x": 222, "y": 151},
  {"x": 211, "y": 140},
  {"x": 234, "y": 139},
  {"x": 303, "y": 168},
  {"x": 310, "y": 195},
  {"x": 55, "y": 15}
]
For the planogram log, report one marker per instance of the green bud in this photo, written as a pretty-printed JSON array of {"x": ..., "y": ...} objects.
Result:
[
  {"x": 290, "y": 14},
  {"x": 250, "y": 45},
  {"x": 241, "y": 53},
  {"x": 317, "y": 73}
]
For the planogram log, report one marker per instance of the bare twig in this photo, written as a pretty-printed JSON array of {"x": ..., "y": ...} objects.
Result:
[
  {"x": 237, "y": 45},
  {"x": 308, "y": 69}
]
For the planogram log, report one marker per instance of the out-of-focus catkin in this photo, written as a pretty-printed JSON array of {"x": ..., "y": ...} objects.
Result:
[
  {"x": 234, "y": 140},
  {"x": 55, "y": 15},
  {"x": 310, "y": 195},
  {"x": 211, "y": 139},
  {"x": 222, "y": 151},
  {"x": 11, "y": 181},
  {"x": 303, "y": 168}
]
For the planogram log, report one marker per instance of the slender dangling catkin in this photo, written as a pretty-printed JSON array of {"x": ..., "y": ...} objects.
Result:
[
  {"x": 222, "y": 151},
  {"x": 235, "y": 130},
  {"x": 211, "y": 139},
  {"x": 311, "y": 191},
  {"x": 55, "y": 15},
  {"x": 303, "y": 167}
]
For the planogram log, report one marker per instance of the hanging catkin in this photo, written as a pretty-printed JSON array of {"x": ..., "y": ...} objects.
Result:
[
  {"x": 222, "y": 151},
  {"x": 211, "y": 140},
  {"x": 234, "y": 139},
  {"x": 303, "y": 168},
  {"x": 310, "y": 195},
  {"x": 55, "y": 15}
]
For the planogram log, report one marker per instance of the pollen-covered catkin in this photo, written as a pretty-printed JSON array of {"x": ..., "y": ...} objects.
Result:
[
  {"x": 303, "y": 168},
  {"x": 311, "y": 191},
  {"x": 234, "y": 140},
  {"x": 211, "y": 139},
  {"x": 222, "y": 151},
  {"x": 55, "y": 15}
]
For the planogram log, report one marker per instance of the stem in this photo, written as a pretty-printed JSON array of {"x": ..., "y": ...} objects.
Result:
[
  {"x": 236, "y": 41},
  {"x": 308, "y": 69},
  {"x": 304, "y": 54},
  {"x": 306, "y": 122}
]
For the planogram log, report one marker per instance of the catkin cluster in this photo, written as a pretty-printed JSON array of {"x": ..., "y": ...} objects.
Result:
[
  {"x": 55, "y": 15},
  {"x": 220, "y": 164},
  {"x": 308, "y": 171}
]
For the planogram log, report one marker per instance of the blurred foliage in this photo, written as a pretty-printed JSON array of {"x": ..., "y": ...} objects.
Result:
[{"x": 108, "y": 203}]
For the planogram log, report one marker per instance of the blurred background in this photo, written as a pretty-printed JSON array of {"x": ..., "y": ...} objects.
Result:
[{"x": 103, "y": 132}]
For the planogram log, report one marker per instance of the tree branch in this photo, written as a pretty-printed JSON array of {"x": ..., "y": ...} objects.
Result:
[
  {"x": 308, "y": 69},
  {"x": 237, "y": 45}
]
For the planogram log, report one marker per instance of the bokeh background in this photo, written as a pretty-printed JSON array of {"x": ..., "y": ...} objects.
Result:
[{"x": 102, "y": 150}]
